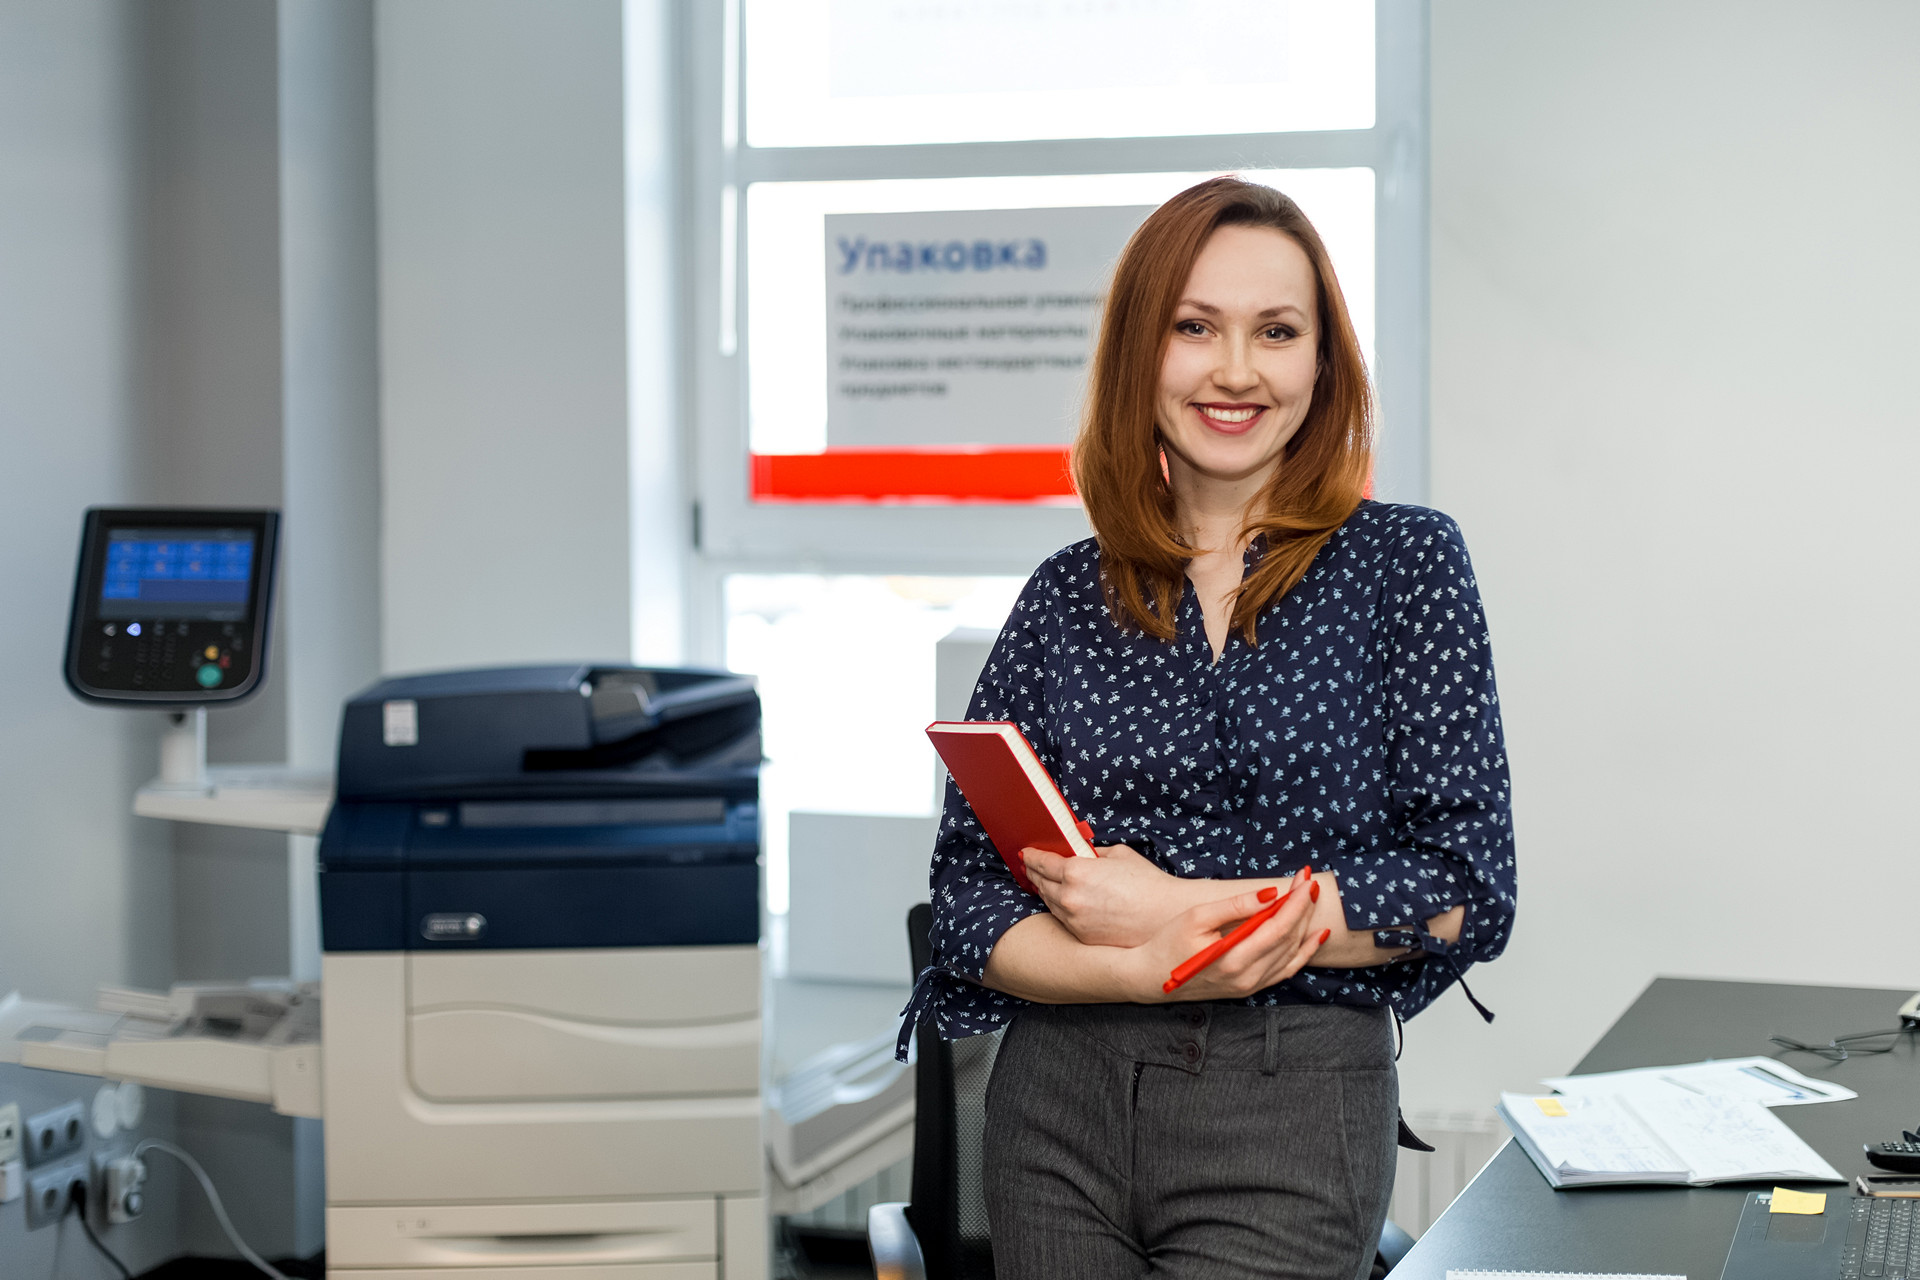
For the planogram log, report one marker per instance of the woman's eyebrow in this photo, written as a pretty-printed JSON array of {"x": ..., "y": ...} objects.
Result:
[{"x": 1207, "y": 308}]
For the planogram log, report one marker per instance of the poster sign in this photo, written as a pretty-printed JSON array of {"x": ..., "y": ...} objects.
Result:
[{"x": 964, "y": 327}]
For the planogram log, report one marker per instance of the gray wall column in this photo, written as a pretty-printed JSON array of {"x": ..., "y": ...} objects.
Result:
[
  {"x": 503, "y": 347},
  {"x": 330, "y": 562}
]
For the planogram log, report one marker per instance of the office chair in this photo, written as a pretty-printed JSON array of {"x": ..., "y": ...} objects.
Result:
[{"x": 941, "y": 1234}]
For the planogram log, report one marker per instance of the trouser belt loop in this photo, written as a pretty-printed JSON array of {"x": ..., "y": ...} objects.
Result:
[{"x": 1273, "y": 1040}]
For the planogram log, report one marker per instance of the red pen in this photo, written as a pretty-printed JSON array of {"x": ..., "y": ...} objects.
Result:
[{"x": 1208, "y": 954}]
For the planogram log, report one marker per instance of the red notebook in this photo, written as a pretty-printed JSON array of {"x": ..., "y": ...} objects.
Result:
[{"x": 996, "y": 770}]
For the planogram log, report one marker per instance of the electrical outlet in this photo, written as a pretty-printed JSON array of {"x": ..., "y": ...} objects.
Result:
[
  {"x": 52, "y": 1134},
  {"x": 9, "y": 1132},
  {"x": 50, "y": 1191},
  {"x": 13, "y": 1181},
  {"x": 115, "y": 1192}
]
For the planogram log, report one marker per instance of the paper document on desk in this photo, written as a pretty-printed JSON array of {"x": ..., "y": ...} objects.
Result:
[
  {"x": 1664, "y": 1135},
  {"x": 1761, "y": 1080}
]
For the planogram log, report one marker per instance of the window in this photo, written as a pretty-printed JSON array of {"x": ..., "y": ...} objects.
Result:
[
  {"x": 845, "y": 664},
  {"x": 875, "y": 72},
  {"x": 838, "y": 460}
]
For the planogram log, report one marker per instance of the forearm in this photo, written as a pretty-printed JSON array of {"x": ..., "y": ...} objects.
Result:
[
  {"x": 1075, "y": 954},
  {"x": 1344, "y": 948},
  {"x": 1038, "y": 960},
  {"x": 1350, "y": 949}
]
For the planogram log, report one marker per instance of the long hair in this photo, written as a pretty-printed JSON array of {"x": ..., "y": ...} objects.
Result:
[{"x": 1117, "y": 463}]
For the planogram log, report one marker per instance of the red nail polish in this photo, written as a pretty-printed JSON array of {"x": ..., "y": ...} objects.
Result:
[
  {"x": 1268, "y": 894},
  {"x": 1313, "y": 892},
  {"x": 1324, "y": 935}
]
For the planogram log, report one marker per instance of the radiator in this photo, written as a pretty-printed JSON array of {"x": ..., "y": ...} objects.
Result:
[{"x": 1426, "y": 1182}]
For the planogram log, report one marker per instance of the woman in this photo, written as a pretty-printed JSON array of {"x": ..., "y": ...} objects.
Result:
[{"x": 1251, "y": 674}]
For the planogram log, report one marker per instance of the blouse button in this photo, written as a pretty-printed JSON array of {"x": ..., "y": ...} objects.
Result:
[{"x": 1192, "y": 1052}]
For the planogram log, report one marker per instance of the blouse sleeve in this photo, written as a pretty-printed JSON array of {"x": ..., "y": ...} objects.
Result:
[
  {"x": 975, "y": 898},
  {"x": 1447, "y": 759}
]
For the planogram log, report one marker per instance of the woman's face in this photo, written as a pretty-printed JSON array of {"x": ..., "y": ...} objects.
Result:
[{"x": 1240, "y": 365}]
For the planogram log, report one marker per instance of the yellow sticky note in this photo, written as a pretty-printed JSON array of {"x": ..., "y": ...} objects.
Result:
[
  {"x": 1786, "y": 1200},
  {"x": 1550, "y": 1106}
]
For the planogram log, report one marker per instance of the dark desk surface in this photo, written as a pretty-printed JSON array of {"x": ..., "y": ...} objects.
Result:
[{"x": 1510, "y": 1219}]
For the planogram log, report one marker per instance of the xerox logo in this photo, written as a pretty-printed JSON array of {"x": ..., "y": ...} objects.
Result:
[
  {"x": 904, "y": 257},
  {"x": 453, "y": 926}
]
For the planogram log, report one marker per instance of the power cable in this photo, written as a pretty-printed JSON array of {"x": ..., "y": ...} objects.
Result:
[
  {"x": 213, "y": 1199},
  {"x": 80, "y": 1203}
]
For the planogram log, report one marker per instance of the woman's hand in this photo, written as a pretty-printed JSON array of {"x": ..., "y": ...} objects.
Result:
[
  {"x": 1273, "y": 952},
  {"x": 1118, "y": 899}
]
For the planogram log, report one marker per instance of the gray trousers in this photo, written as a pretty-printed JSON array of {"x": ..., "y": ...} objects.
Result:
[{"x": 1199, "y": 1141}]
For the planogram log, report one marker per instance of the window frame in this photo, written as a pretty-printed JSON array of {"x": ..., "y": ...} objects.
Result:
[{"x": 732, "y": 533}]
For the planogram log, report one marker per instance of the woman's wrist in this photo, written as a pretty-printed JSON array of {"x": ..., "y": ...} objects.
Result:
[{"x": 1139, "y": 975}]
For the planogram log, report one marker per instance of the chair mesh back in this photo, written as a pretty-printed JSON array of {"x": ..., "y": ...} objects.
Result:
[
  {"x": 949, "y": 1210},
  {"x": 972, "y": 1066}
]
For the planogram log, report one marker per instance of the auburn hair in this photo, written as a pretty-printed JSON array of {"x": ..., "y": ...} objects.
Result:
[{"x": 1118, "y": 465}]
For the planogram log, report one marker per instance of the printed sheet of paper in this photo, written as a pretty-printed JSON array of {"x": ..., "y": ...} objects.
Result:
[
  {"x": 1762, "y": 1080},
  {"x": 1595, "y": 1135},
  {"x": 1728, "y": 1138}
]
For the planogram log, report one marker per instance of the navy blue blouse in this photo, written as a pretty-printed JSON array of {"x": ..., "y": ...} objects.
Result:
[{"x": 1362, "y": 734}]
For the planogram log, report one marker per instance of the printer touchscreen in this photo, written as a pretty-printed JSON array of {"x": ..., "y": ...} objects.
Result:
[
  {"x": 204, "y": 574},
  {"x": 171, "y": 605}
]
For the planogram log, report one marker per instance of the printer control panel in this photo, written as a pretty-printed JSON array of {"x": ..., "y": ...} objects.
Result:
[
  {"x": 171, "y": 606},
  {"x": 170, "y": 655}
]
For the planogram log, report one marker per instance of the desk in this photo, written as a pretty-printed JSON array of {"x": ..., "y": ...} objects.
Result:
[{"x": 1510, "y": 1219}]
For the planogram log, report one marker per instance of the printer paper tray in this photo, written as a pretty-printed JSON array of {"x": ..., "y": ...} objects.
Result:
[
  {"x": 615, "y": 1234},
  {"x": 56, "y": 1037},
  {"x": 556, "y": 1026},
  {"x": 475, "y": 1055},
  {"x": 605, "y": 1271}
]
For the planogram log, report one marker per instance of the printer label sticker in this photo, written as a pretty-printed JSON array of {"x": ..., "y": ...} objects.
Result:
[{"x": 400, "y": 723}]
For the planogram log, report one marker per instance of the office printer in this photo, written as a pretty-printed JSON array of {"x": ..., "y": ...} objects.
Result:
[{"x": 540, "y": 920}]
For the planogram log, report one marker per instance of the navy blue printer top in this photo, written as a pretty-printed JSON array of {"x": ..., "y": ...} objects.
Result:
[
  {"x": 1362, "y": 734},
  {"x": 539, "y": 807}
]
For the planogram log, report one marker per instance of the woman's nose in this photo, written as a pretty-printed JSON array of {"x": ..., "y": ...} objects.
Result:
[{"x": 1235, "y": 368}]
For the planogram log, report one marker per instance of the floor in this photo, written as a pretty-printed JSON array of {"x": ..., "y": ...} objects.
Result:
[
  {"x": 823, "y": 1254},
  {"x": 314, "y": 1268}
]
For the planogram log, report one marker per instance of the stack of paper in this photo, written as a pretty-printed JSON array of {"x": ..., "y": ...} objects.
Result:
[
  {"x": 1761, "y": 1080},
  {"x": 1658, "y": 1133}
]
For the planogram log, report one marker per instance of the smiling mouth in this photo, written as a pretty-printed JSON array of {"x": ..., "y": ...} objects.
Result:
[{"x": 1230, "y": 418}]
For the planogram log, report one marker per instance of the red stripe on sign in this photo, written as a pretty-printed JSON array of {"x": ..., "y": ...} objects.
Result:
[{"x": 984, "y": 473}]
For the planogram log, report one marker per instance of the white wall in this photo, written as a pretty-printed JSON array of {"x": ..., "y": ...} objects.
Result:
[
  {"x": 1674, "y": 271},
  {"x": 84, "y": 886},
  {"x": 503, "y": 350}
]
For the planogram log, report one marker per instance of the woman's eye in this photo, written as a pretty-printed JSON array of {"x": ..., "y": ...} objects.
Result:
[
  {"x": 1280, "y": 333},
  {"x": 1192, "y": 328}
]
